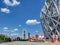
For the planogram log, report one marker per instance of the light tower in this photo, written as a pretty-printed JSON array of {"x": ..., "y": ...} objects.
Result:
[
  {"x": 24, "y": 34},
  {"x": 50, "y": 18}
]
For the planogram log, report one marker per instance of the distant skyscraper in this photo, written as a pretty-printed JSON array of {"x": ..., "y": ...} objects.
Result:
[
  {"x": 24, "y": 34},
  {"x": 50, "y": 18},
  {"x": 28, "y": 35}
]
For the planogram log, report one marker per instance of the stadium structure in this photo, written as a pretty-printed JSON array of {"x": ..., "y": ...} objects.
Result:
[{"x": 50, "y": 18}]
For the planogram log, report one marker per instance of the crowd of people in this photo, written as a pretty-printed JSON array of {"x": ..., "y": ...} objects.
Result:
[{"x": 44, "y": 39}]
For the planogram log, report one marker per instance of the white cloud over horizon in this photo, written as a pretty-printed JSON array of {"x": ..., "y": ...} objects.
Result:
[
  {"x": 13, "y": 3},
  {"x": 32, "y": 22},
  {"x": 16, "y": 29},
  {"x": 14, "y": 34},
  {"x": 5, "y": 10},
  {"x": 5, "y": 28}
]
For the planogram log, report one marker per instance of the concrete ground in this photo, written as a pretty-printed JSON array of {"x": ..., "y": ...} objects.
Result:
[{"x": 29, "y": 43}]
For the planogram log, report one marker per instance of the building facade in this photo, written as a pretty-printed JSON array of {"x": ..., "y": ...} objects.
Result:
[{"x": 50, "y": 18}]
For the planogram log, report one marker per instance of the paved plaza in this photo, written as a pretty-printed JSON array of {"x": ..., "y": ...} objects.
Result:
[{"x": 28, "y": 43}]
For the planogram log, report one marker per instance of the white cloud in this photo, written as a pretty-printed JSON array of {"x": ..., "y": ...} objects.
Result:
[
  {"x": 16, "y": 29},
  {"x": 36, "y": 31},
  {"x": 14, "y": 34},
  {"x": 32, "y": 22},
  {"x": 5, "y": 28},
  {"x": 5, "y": 10},
  {"x": 19, "y": 25},
  {"x": 5, "y": 33},
  {"x": 9, "y": 3}
]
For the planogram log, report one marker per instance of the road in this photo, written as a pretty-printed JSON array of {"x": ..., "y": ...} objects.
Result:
[{"x": 28, "y": 43}]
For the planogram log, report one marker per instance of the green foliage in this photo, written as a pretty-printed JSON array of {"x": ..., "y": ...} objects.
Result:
[
  {"x": 7, "y": 39},
  {"x": 3, "y": 38}
]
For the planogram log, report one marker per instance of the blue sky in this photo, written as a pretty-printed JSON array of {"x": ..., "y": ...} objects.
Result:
[{"x": 19, "y": 15}]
